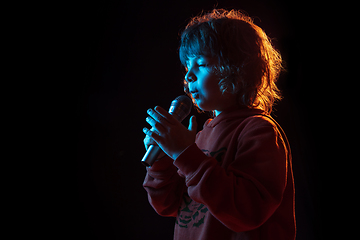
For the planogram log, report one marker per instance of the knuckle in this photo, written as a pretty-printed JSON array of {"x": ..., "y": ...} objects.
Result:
[
  {"x": 157, "y": 125},
  {"x": 149, "y": 133},
  {"x": 146, "y": 139},
  {"x": 157, "y": 118},
  {"x": 152, "y": 142},
  {"x": 149, "y": 120}
]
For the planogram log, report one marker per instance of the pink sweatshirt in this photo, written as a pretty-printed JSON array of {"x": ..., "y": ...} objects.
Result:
[{"x": 234, "y": 182}]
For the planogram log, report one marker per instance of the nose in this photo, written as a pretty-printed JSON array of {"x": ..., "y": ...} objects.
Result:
[{"x": 190, "y": 76}]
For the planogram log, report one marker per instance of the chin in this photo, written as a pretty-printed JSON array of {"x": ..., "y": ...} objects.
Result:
[{"x": 204, "y": 107}]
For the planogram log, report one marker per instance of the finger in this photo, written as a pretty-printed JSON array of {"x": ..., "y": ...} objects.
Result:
[
  {"x": 153, "y": 135},
  {"x": 156, "y": 126},
  {"x": 148, "y": 141},
  {"x": 157, "y": 117},
  {"x": 165, "y": 115},
  {"x": 192, "y": 124}
]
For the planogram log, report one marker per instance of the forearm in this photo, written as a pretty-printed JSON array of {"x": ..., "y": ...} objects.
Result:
[{"x": 164, "y": 187}]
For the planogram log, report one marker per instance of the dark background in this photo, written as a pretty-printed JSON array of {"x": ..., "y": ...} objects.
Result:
[{"x": 127, "y": 61}]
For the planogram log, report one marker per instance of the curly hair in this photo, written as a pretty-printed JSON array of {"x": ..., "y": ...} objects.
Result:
[{"x": 247, "y": 63}]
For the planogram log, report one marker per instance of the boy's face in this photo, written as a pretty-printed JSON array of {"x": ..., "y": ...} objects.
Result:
[{"x": 203, "y": 84}]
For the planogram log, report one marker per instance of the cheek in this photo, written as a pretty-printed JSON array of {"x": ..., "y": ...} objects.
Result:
[{"x": 211, "y": 86}]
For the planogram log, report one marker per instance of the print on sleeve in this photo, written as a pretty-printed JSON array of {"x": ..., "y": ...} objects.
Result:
[
  {"x": 218, "y": 155},
  {"x": 191, "y": 213}
]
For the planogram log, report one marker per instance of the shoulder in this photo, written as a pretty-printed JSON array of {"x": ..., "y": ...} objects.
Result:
[
  {"x": 259, "y": 121},
  {"x": 260, "y": 126}
]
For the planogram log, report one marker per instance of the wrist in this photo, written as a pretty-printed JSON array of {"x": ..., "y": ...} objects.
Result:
[
  {"x": 189, "y": 161},
  {"x": 178, "y": 153}
]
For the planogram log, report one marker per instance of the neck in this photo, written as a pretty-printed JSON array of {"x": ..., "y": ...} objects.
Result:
[
  {"x": 229, "y": 109},
  {"x": 227, "y": 103}
]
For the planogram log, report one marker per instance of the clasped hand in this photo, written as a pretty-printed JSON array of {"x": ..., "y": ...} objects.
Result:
[{"x": 167, "y": 132}]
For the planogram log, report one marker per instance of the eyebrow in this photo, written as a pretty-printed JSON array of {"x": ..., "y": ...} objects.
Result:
[{"x": 197, "y": 58}]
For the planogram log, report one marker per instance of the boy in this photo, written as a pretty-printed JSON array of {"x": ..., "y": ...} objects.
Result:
[{"x": 232, "y": 180}]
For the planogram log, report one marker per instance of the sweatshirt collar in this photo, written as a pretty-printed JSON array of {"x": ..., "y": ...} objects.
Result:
[{"x": 233, "y": 114}]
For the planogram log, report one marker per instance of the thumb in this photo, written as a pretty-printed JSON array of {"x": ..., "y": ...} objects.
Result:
[{"x": 192, "y": 124}]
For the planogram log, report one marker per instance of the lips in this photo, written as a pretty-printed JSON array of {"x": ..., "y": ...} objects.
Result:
[{"x": 195, "y": 95}]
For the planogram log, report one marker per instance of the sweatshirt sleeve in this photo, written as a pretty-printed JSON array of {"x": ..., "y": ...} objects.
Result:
[
  {"x": 245, "y": 194},
  {"x": 164, "y": 187}
]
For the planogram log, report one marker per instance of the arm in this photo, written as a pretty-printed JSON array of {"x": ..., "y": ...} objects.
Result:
[
  {"x": 162, "y": 182},
  {"x": 164, "y": 187},
  {"x": 245, "y": 194}
]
